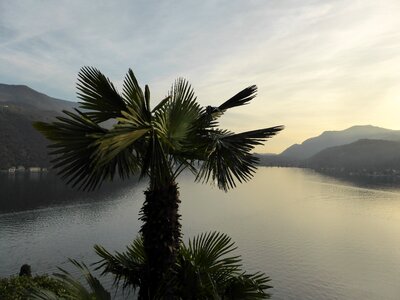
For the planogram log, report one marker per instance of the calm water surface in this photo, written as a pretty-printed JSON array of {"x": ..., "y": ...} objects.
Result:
[{"x": 316, "y": 237}]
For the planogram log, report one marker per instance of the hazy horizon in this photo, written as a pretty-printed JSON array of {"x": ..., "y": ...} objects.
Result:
[{"x": 318, "y": 65}]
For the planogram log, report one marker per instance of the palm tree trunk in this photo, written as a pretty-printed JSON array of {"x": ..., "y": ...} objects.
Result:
[{"x": 161, "y": 232}]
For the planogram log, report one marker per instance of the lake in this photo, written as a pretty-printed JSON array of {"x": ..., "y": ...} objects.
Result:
[{"x": 316, "y": 237}]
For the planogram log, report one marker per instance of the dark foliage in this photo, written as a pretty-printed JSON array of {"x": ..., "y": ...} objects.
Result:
[
  {"x": 16, "y": 288},
  {"x": 158, "y": 143},
  {"x": 20, "y": 144},
  {"x": 204, "y": 269}
]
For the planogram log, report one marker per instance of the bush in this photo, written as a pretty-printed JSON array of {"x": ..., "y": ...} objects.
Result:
[{"x": 16, "y": 287}]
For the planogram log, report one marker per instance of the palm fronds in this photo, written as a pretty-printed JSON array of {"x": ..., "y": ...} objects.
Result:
[
  {"x": 76, "y": 140},
  {"x": 98, "y": 95},
  {"x": 205, "y": 269},
  {"x": 175, "y": 119},
  {"x": 248, "y": 286},
  {"x": 228, "y": 156},
  {"x": 159, "y": 143},
  {"x": 241, "y": 98},
  {"x": 133, "y": 94},
  {"x": 127, "y": 267},
  {"x": 74, "y": 287}
]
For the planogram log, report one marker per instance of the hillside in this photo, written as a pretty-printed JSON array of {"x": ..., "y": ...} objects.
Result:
[
  {"x": 328, "y": 139},
  {"x": 20, "y": 143},
  {"x": 26, "y": 98},
  {"x": 362, "y": 157}
]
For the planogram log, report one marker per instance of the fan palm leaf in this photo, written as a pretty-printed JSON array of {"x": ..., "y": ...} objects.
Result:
[
  {"x": 205, "y": 269},
  {"x": 74, "y": 288},
  {"x": 175, "y": 120},
  {"x": 228, "y": 155},
  {"x": 98, "y": 95},
  {"x": 77, "y": 141},
  {"x": 127, "y": 267}
]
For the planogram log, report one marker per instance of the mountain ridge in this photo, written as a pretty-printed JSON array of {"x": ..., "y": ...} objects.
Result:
[
  {"x": 23, "y": 95},
  {"x": 363, "y": 157},
  {"x": 327, "y": 139},
  {"x": 20, "y": 143}
]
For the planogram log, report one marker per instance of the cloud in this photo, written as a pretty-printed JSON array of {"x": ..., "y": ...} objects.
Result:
[{"x": 319, "y": 65}]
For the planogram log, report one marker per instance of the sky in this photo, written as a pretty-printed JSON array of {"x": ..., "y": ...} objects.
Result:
[{"x": 319, "y": 65}]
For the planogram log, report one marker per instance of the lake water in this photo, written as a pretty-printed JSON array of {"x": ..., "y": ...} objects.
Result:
[{"x": 315, "y": 236}]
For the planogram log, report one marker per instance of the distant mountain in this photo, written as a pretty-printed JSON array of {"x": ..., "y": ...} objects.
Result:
[
  {"x": 26, "y": 98},
  {"x": 361, "y": 157},
  {"x": 20, "y": 143},
  {"x": 328, "y": 139}
]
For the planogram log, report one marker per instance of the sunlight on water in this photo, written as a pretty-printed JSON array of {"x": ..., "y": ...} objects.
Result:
[{"x": 317, "y": 237}]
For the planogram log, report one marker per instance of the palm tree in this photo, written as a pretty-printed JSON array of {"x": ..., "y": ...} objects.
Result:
[
  {"x": 157, "y": 143},
  {"x": 72, "y": 288},
  {"x": 204, "y": 269}
]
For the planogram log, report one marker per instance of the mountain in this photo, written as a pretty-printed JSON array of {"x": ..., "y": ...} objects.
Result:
[
  {"x": 20, "y": 143},
  {"x": 328, "y": 139},
  {"x": 362, "y": 157},
  {"x": 26, "y": 98}
]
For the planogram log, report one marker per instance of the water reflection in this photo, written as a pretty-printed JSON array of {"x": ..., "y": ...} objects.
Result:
[
  {"x": 317, "y": 237},
  {"x": 372, "y": 182},
  {"x": 25, "y": 191}
]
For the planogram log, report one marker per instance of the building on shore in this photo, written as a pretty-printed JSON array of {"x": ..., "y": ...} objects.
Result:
[{"x": 20, "y": 169}]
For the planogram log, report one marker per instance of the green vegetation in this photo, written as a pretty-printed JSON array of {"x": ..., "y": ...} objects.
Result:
[
  {"x": 157, "y": 143},
  {"x": 15, "y": 288},
  {"x": 20, "y": 144},
  {"x": 204, "y": 269},
  {"x": 364, "y": 157},
  {"x": 91, "y": 290}
]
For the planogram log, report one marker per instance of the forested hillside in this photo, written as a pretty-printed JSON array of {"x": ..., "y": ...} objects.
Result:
[
  {"x": 20, "y": 143},
  {"x": 361, "y": 157}
]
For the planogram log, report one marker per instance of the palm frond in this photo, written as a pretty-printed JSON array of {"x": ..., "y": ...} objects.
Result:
[
  {"x": 75, "y": 146},
  {"x": 133, "y": 94},
  {"x": 161, "y": 104},
  {"x": 98, "y": 95},
  {"x": 147, "y": 99},
  {"x": 175, "y": 120},
  {"x": 123, "y": 136},
  {"x": 94, "y": 284},
  {"x": 127, "y": 267},
  {"x": 206, "y": 268},
  {"x": 241, "y": 98},
  {"x": 210, "y": 249},
  {"x": 228, "y": 157},
  {"x": 41, "y": 294},
  {"x": 248, "y": 286},
  {"x": 157, "y": 164},
  {"x": 74, "y": 287},
  {"x": 117, "y": 140}
]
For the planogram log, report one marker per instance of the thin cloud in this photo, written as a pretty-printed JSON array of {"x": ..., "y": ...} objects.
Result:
[{"x": 319, "y": 65}]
